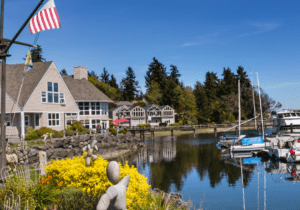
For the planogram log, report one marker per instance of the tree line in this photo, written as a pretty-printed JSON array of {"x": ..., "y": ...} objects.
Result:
[{"x": 213, "y": 100}]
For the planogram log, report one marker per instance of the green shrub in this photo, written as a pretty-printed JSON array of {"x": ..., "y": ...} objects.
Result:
[
  {"x": 84, "y": 131},
  {"x": 77, "y": 125},
  {"x": 140, "y": 125},
  {"x": 29, "y": 130},
  {"x": 124, "y": 131},
  {"x": 174, "y": 124},
  {"x": 57, "y": 134},
  {"x": 163, "y": 124},
  {"x": 113, "y": 131},
  {"x": 74, "y": 198},
  {"x": 45, "y": 195},
  {"x": 70, "y": 127},
  {"x": 111, "y": 125},
  {"x": 44, "y": 130},
  {"x": 147, "y": 124},
  {"x": 70, "y": 132},
  {"x": 31, "y": 136},
  {"x": 180, "y": 122}
]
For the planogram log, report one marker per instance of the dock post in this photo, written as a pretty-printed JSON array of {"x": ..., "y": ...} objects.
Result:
[
  {"x": 171, "y": 132},
  {"x": 133, "y": 133},
  {"x": 215, "y": 130},
  {"x": 292, "y": 127}
]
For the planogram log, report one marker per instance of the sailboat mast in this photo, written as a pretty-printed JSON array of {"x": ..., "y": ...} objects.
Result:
[
  {"x": 254, "y": 109},
  {"x": 239, "y": 96},
  {"x": 261, "y": 113},
  {"x": 241, "y": 165}
]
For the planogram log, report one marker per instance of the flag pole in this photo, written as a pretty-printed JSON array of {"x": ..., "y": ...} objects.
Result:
[{"x": 4, "y": 46}]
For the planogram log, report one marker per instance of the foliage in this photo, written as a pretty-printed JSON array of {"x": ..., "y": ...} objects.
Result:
[
  {"x": 19, "y": 186},
  {"x": 124, "y": 131},
  {"x": 163, "y": 124},
  {"x": 77, "y": 125},
  {"x": 70, "y": 127},
  {"x": 39, "y": 142},
  {"x": 154, "y": 94},
  {"x": 174, "y": 124},
  {"x": 158, "y": 201},
  {"x": 29, "y": 130},
  {"x": 44, "y": 130},
  {"x": 93, "y": 179},
  {"x": 111, "y": 125},
  {"x": 113, "y": 131},
  {"x": 105, "y": 76},
  {"x": 129, "y": 85},
  {"x": 31, "y": 136},
  {"x": 111, "y": 92},
  {"x": 63, "y": 72},
  {"x": 141, "y": 125},
  {"x": 156, "y": 73},
  {"x": 113, "y": 82},
  {"x": 70, "y": 132},
  {"x": 36, "y": 54},
  {"x": 75, "y": 199},
  {"x": 45, "y": 193}
]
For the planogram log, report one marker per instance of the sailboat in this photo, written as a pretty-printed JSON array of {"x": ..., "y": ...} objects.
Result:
[{"x": 242, "y": 143}]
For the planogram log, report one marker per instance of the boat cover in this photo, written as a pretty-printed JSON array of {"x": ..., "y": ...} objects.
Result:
[
  {"x": 251, "y": 160},
  {"x": 252, "y": 140}
]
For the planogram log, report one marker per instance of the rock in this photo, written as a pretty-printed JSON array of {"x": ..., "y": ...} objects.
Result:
[
  {"x": 49, "y": 153},
  {"x": 59, "y": 153},
  {"x": 11, "y": 158},
  {"x": 33, "y": 152},
  {"x": 38, "y": 147},
  {"x": 58, "y": 143},
  {"x": 113, "y": 172},
  {"x": 33, "y": 159}
]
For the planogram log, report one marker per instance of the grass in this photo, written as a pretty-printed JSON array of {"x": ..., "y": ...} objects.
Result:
[{"x": 39, "y": 142}]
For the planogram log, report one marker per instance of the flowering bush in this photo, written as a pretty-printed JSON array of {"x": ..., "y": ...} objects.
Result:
[{"x": 93, "y": 179}]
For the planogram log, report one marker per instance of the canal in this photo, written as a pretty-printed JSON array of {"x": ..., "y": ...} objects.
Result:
[{"x": 212, "y": 179}]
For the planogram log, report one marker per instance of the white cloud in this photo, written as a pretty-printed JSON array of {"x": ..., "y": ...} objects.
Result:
[
  {"x": 206, "y": 38},
  {"x": 261, "y": 27}
]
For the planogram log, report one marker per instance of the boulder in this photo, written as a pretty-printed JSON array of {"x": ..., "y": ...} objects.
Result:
[
  {"x": 38, "y": 147},
  {"x": 59, "y": 153},
  {"x": 74, "y": 143},
  {"x": 12, "y": 158},
  {"x": 49, "y": 153},
  {"x": 58, "y": 143},
  {"x": 33, "y": 159},
  {"x": 33, "y": 152}
]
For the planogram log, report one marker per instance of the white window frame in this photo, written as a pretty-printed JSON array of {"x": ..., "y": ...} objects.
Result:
[
  {"x": 45, "y": 97},
  {"x": 60, "y": 96},
  {"x": 83, "y": 123},
  {"x": 95, "y": 124},
  {"x": 55, "y": 119},
  {"x": 35, "y": 120}
]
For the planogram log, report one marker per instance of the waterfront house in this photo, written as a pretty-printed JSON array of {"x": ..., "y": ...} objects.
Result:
[
  {"x": 44, "y": 99},
  {"x": 49, "y": 100}
]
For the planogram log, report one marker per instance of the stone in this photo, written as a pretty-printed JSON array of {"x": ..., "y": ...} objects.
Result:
[
  {"x": 113, "y": 172},
  {"x": 38, "y": 147},
  {"x": 59, "y": 153},
  {"x": 12, "y": 158},
  {"x": 58, "y": 143},
  {"x": 49, "y": 152},
  {"x": 33, "y": 152}
]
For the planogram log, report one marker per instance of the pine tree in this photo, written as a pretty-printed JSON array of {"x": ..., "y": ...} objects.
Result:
[
  {"x": 105, "y": 76},
  {"x": 157, "y": 73},
  {"x": 175, "y": 74},
  {"x": 202, "y": 102},
  {"x": 63, "y": 72},
  {"x": 130, "y": 85},
  {"x": 113, "y": 82},
  {"x": 36, "y": 54},
  {"x": 93, "y": 74}
]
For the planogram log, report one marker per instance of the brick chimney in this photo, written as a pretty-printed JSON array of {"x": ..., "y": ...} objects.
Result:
[{"x": 80, "y": 72}]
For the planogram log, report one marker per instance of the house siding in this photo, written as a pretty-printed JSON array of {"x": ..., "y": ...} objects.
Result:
[{"x": 35, "y": 104}]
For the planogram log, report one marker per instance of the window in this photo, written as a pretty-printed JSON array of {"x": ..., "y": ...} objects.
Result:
[
  {"x": 70, "y": 122},
  {"x": 50, "y": 86},
  {"x": 73, "y": 114},
  {"x": 26, "y": 119},
  {"x": 44, "y": 97},
  {"x": 50, "y": 98},
  {"x": 85, "y": 123},
  {"x": 8, "y": 121},
  {"x": 84, "y": 108},
  {"x": 56, "y": 87},
  {"x": 62, "y": 98},
  {"x": 53, "y": 119},
  {"x": 95, "y": 106},
  {"x": 55, "y": 97},
  {"x": 52, "y": 95},
  {"x": 95, "y": 123},
  {"x": 104, "y": 108},
  {"x": 37, "y": 120}
]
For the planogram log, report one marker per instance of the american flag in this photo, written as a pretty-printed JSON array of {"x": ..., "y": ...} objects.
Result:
[{"x": 46, "y": 18}]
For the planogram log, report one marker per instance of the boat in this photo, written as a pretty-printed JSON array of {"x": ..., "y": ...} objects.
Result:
[{"x": 286, "y": 121}]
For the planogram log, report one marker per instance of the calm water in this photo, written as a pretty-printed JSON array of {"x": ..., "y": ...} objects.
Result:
[{"x": 211, "y": 178}]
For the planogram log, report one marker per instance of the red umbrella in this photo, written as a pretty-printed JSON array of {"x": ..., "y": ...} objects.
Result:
[
  {"x": 116, "y": 122},
  {"x": 123, "y": 120}
]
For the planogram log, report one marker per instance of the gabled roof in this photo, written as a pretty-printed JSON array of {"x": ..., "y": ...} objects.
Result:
[
  {"x": 83, "y": 90},
  {"x": 14, "y": 74},
  {"x": 150, "y": 106},
  {"x": 118, "y": 108},
  {"x": 121, "y": 103}
]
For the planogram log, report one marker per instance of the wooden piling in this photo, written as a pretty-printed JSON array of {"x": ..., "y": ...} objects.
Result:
[
  {"x": 292, "y": 127},
  {"x": 172, "y": 132},
  {"x": 216, "y": 132}
]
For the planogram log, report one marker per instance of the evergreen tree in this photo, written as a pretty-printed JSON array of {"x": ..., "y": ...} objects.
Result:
[
  {"x": 211, "y": 85},
  {"x": 113, "y": 82},
  {"x": 105, "y": 76},
  {"x": 157, "y": 73},
  {"x": 130, "y": 85},
  {"x": 229, "y": 84},
  {"x": 170, "y": 97},
  {"x": 36, "y": 54},
  {"x": 174, "y": 74},
  {"x": 154, "y": 94},
  {"x": 201, "y": 102},
  {"x": 63, "y": 72},
  {"x": 93, "y": 74},
  {"x": 243, "y": 77}
]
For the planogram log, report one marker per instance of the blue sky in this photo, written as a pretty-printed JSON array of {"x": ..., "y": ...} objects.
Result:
[{"x": 196, "y": 36}]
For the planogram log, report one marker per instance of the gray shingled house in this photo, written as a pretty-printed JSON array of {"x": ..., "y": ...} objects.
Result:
[{"x": 45, "y": 99}]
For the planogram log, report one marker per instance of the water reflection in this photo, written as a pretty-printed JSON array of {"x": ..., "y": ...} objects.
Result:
[{"x": 193, "y": 166}]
